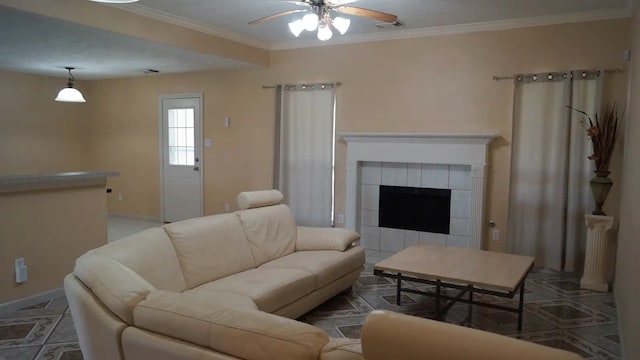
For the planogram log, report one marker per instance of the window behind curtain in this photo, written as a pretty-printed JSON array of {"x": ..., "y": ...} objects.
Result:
[{"x": 306, "y": 152}]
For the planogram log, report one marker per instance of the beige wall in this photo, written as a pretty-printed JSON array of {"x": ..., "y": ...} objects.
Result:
[
  {"x": 433, "y": 84},
  {"x": 38, "y": 134},
  {"x": 43, "y": 227},
  {"x": 628, "y": 267}
]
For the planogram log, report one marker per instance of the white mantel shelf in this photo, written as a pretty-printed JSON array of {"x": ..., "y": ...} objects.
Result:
[
  {"x": 420, "y": 148},
  {"x": 419, "y": 138}
]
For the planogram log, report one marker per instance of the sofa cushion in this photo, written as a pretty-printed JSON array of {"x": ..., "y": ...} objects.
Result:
[
  {"x": 271, "y": 232},
  {"x": 270, "y": 289},
  {"x": 118, "y": 287},
  {"x": 210, "y": 248},
  {"x": 315, "y": 238},
  {"x": 254, "y": 199},
  {"x": 342, "y": 349},
  {"x": 142, "y": 252},
  {"x": 244, "y": 333},
  {"x": 325, "y": 265}
]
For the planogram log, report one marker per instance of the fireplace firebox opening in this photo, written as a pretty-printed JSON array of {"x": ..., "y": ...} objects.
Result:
[{"x": 412, "y": 208}]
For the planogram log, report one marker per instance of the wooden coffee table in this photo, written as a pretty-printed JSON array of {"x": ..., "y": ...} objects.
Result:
[{"x": 468, "y": 270}]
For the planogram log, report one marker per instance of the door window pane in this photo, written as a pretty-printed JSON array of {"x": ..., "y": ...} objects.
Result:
[{"x": 181, "y": 137}]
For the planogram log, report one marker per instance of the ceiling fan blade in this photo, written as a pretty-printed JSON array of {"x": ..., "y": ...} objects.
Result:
[
  {"x": 336, "y": 3},
  {"x": 373, "y": 14},
  {"x": 300, "y": 3},
  {"x": 275, "y": 16}
]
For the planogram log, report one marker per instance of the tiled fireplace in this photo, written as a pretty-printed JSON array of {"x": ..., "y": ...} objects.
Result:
[{"x": 454, "y": 162}]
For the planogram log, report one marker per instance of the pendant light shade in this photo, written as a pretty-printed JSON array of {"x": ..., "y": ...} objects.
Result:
[{"x": 70, "y": 94}]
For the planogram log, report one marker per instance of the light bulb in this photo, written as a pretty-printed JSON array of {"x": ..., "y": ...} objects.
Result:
[
  {"x": 341, "y": 24},
  {"x": 296, "y": 27},
  {"x": 310, "y": 22},
  {"x": 324, "y": 32}
]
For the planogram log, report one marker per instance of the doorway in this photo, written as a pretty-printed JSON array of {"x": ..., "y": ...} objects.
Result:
[{"x": 181, "y": 156}]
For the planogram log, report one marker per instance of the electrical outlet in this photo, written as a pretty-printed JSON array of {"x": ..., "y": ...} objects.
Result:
[
  {"x": 340, "y": 219},
  {"x": 19, "y": 262},
  {"x": 227, "y": 207},
  {"x": 495, "y": 234},
  {"x": 120, "y": 197}
]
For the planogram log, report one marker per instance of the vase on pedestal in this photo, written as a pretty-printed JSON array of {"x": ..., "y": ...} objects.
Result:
[{"x": 600, "y": 186}]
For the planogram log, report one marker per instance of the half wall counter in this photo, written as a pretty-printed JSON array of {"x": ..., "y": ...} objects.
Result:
[{"x": 48, "y": 221}]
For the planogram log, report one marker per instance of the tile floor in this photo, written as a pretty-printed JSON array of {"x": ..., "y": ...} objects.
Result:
[{"x": 557, "y": 313}]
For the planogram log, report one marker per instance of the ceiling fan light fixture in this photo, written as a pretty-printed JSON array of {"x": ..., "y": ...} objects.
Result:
[
  {"x": 324, "y": 32},
  {"x": 310, "y": 22},
  {"x": 70, "y": 94},
  {"x": 341, "y": 24},
  {"x": 296, "y": 27}
]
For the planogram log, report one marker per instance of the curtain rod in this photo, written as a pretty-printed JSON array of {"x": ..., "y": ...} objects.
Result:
[
  {"x": 609, "y": 71},
  {"x": 276, "y": 86}
]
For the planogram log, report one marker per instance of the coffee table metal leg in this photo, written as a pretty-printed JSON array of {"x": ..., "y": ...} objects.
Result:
[
  {"x": 521, "y": 306},
  {"x": 398, "y": 289},
  {"x": 437, "y": 299}
]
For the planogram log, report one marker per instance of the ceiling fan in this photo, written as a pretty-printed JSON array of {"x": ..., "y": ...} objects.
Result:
[{"x": 320, "y": 17}]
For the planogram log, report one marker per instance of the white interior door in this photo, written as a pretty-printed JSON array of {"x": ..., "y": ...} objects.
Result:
[{"x": 181, "y": 157}]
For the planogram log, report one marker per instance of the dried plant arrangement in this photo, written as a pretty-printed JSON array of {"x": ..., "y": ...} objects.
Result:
[{"x": 603, "y": 133}]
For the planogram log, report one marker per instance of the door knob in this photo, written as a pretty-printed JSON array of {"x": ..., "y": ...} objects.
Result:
[{"x": 196, "y": 168}]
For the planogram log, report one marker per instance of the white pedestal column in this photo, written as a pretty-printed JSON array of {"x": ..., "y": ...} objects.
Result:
[{"x": 595, "y": 262}]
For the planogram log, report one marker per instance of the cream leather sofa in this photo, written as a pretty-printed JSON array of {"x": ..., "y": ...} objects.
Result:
[
  {"x": 387, "y": 336},
  {"x": 228, "y": 286},
  {"x": 217, "y": 287}
]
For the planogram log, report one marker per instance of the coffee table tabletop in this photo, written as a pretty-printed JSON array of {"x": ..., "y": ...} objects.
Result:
[{"x": 484, "y": 269}]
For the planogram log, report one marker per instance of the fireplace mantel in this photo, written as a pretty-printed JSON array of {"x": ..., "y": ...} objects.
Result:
[{"x": 452, "y": 149}]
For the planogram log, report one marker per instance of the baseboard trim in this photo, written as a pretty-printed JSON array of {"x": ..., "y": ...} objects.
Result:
[
  {"x": 136, "y": 217},
  {"x": 31, "y": 300}
]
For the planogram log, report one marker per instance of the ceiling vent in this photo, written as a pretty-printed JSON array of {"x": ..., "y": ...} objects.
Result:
[{"x": 395, "y": 24}]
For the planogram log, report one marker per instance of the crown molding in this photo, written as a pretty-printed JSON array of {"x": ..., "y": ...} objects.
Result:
[
  {"x": 510, "y": 24},
  {"x": 193, "y": 25},
  {"x": 463, "y": 28}
]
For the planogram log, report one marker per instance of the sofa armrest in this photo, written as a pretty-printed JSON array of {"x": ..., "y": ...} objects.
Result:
[
  {"x": 342, "y": 349},
  {"x": 414, "y": 338},
  {"x": 315, "y": 238},
  {"x": 244, "y": 333},
  {"x": 119, "y": 288}
]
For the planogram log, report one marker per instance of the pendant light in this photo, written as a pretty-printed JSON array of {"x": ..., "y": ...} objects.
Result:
[{"x": 70, "y": 94}]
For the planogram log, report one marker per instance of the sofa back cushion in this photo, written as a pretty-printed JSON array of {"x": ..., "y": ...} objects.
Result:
[
  {"x": 254, "y": 199},
  {"x": 210, "y": 248},
  {"x": 149, "y": 253},
  {"x": 119, "y": 288},
  {"x": 271, "y": 232},
  {"x": 240, "y": 332}
]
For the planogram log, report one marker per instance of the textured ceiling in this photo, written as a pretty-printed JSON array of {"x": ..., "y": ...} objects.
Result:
[
  {"x": 38, "y": 44},
  {"x": 233, "y": 16}
]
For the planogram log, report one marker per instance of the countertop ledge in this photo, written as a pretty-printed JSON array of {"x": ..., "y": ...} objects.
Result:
[{"x": 13, "y": 183}]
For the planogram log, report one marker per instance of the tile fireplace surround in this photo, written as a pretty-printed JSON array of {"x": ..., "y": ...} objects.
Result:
[{"x": 431, "y": 160}]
